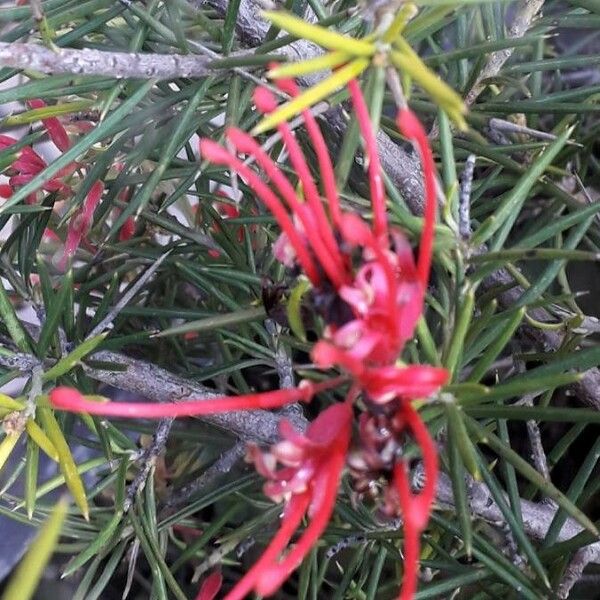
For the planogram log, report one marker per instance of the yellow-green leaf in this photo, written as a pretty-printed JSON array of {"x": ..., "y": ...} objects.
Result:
[
  {"x": 312, "y": 65},
  {"x": 7, "y": 446},
  {"x": 46, "y": 112},
  {"x": 408, "y": 62},
  {"x": 10, "y": 403},
  {"x": 319, "y": 35},
  {"x": 405, "y": 14},
  {"x": 37, "y": 434},
  {"x": 294, "y": 309},
  {"x": 312, "y": 95},
  {"x": 25, "y": 580},
  {"x": 65, "y": 460}
]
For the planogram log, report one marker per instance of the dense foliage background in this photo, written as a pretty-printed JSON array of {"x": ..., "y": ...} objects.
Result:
[{"x": 515, "y": 319}]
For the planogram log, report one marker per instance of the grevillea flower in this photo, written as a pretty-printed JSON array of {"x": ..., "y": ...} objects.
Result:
[
  {"x": 370, "y": 291},
  {"x": 54, "y": 127},
  {"x": 307, "y": 483},
  {"x": 80, "y": 223},
  {"x": 27, "y": 164}
]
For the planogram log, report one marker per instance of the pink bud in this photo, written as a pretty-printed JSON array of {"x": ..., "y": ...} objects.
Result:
[
  {"x": 265, "y": 100},
  {"x": 210, "y": 587}
]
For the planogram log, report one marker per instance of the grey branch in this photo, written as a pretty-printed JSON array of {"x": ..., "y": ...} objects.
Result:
[
  {"x": 526, "y": 12},
  {"x": 148, "y": 460},
  {"x": 121, "y": 65}
]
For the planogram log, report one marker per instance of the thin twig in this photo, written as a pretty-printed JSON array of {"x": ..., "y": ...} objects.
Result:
[
  {"x": 526, "y": 12},
  {"x": 538, "y": 454},
  {"x": 508, "y": 127},
  {"x": 147, "y": 461},
  {"x": 464, "y": 198},
  {"x": 220, "y": 467}
]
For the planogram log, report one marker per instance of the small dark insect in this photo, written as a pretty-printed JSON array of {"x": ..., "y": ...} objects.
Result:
[
  {"x": 327, "y": 303},
  {"x": 273, "y": 295}
]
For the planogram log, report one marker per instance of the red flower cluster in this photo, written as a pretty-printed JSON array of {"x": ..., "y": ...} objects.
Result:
[
  {"x": 28, "y": 164},
  {"x": 370, "y": 292}
]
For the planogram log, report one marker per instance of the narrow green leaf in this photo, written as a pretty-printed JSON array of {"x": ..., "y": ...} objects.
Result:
[
  {"x": 54, "y": 312},
  {"x": 32, "y": 459},
  {"x": 231, "y": 14},
  {"x": 461, "y": 440},
  {"x": 11, "y": 321},
  {"x": 527, "y": 471},
  {"x": 226, "y": 320},
  {"x": 551, "y": 414},
  {"x": 459, "y": 486},
  {"x": 505, "y": 215},
  {"x": 516, "y": 254},
  {"x": 37, "y": 114},
  {"x": 64, "y": 365},
  {"x": 464, "y": 313}
]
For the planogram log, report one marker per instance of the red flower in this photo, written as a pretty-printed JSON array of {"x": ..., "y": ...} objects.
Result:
[
  {"x": 54, "y": 127},
  {"x": 28, "y": 163},
  {"x": 127, "y": 230},
  {"x": 373, "y": 277},
  {"x": 415, "y": 509},
  {"x": 80, "y": 223},
  {"x": 307, "y": 482}
]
